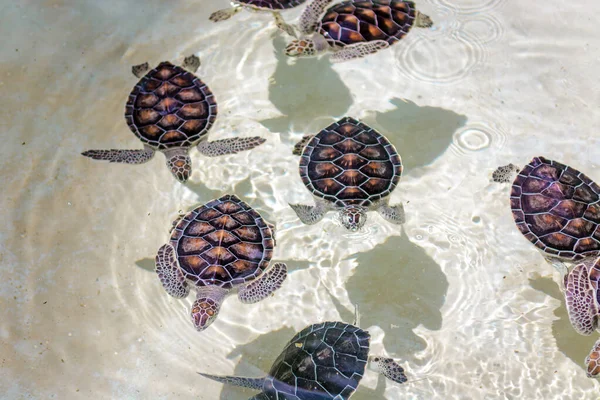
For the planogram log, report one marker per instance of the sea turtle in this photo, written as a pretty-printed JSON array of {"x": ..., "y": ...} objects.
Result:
[
  {"x": 171, "y": 110},
  {"x": 354, "y": 28},
  {"x": 352, "y": 168},
  {"x": 272, "y": 6},
  {"x": 324, "y": 361},
  {"x": 582, "y": 296},
  {"x": 556, "y": 207},
  {"x": 215, "y": 248}
]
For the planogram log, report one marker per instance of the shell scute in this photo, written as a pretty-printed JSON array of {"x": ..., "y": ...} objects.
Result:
[{"x": 593, "y": 213}]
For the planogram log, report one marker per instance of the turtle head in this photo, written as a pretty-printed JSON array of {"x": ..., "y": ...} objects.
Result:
[
  {"x": 592, "y": 361},
  {"x": 353, "y": 217},
  {"x": 306, "y": 47},
  {"x": 204, "y": 312},
  {"x": 180, "y": 164}
]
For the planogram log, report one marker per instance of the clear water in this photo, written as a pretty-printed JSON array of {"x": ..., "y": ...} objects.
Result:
[{"x": 457, "y": 294}]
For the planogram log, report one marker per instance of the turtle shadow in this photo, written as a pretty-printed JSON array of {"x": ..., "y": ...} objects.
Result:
[
  {"x": 399, "y": 287},
  {"x": 256, "y": 358},
  {"x": 304, "y": 90},
  {"x": 420, "y": 133},
  {"x": 569, "y": 342}
]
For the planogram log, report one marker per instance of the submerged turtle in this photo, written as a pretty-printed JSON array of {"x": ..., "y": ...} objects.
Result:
[
  {"x": 354, "y": 28},
  {"x": 324, "y": 361},
  {"x": 556, "y": 207},
  {"x": 215, "y": 248},
  {"x": 582, "y": 296},
  {"x": 170, "y": 110},
  {"x": 352, "y": 168},
  {"x": 272, "y": 6}
]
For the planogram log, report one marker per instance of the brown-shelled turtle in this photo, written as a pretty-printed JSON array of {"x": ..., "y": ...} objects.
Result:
[
  {"x": 324, "y": 361},
  {"x": 170, "y": 110},
  {"x": 352, "y": 168},
  {"x": 582, "y": 296},
  {"x": 556, "y": 207},
  {"x": 216, "y": 248},
  {"x": 354, "y": 28},
  {"x": 272, "y": 6}
]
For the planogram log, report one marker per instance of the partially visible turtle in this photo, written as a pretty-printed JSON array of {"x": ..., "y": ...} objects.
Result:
[
  {"x": 582, "y": 296},
  {"x": 354, "y": 28},
  {"x": 556, "y": 207},
  {"x": 352, "y": 168},
  {"x": 216, "y": 248},
  {"x": 324, "y": 361},
  {"x": 170, "y": 110},
  {"x": 272, "y": 6}
]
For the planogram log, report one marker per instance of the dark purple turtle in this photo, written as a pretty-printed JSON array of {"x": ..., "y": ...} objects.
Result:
[
  {"x": 352, "y": 168},
  {"x": 556, "y": 207},
  {"x": 272, "y": 6},
  {"x": 354, "y": 28},
  {"x": 216, "y": 248},
  {"x": 324, "y": 361},
  {"x": 170, "y": 110}
]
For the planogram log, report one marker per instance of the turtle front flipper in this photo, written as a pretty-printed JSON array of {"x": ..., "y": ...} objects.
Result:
[
  {"x": 505, "y": 173},
  {"x": 229, "y": 146},
  {"x": 358, "y": 50},
  {"x": 581, "y": 301},
  {"x": 122, "y": 156},
  {"x": 299, "y": 147},
  {"x": 284, "y": 26},
  {"x": 393, "y": 214},
  {"x": 388, "y": 368},
  {"x": 224, "y": 14},
  {"x": 179, "y": 163},
  {"x": 170, "y": 274},
  {"x": 310, "y": 215},
  {"x": 592, "y": 361},
  {"x": 252, "y": 383},
  {"x": 311, "y": 15},
  {"x": 264, "y": 286}
]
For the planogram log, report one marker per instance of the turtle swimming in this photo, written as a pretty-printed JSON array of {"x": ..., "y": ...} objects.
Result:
[
  {"x": 215, "y": 249},
  {"x": 170, "y": 110},
  {"x": 272, "y": 6},
  {"x": 582, "y": 297},
  {"x": 324, "y": 361},
  {"x": 556, "y": 207},
  {"x": 351, "y": 168},
  {"x": 355, "y": 28}
]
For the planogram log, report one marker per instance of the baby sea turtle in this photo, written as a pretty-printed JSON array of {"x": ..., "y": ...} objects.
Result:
[
  {"x": 355, "y": 28},
  {"x": 272, "y": 6},
  {"x": 556, "y": 207},
  {"x": 352, "y": 168},
  {"x": 324, "y": 361},
  {"x": 215, "y": 248},
  {"x": 170, "y": 110},
  {"x": 582, "y": 296}
]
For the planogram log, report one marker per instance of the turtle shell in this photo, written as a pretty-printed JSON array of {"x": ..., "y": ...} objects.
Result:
[
  {"x": 323, "y": 361},
  {"x": 272, "y": 4},
  {"x": 349, "y": 163},
  {"x": 557, "y": 208},
  {"x": 223, "y": 243},
  {"x": 170, "y": 107},
  {"x": 352, "y": 22}
]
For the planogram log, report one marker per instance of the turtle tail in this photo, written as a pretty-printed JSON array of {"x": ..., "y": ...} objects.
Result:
[{"x": 252, "y": 383}]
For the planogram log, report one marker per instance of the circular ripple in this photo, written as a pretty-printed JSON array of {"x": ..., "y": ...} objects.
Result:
[
  {"x": 471, "y": 6},
  {"x": 446, "y": 60},
  {"x": 485, "y": 28},
  {"x": 477, "y": 137}
]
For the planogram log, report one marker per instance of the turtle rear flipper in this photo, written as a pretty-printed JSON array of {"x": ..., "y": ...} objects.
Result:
[
  {"x": 229, "y": 146},
  {"x": 170, "y": 274},
  {"x": 505, "y": 173},
  {"x": 299, "y": 147},
  {"x": 388, "y": 368},
  {"x": 264, "y": 286},
  {"x": 222, "y": 15},
  {"x": 252, "y": 383},
  {"x": 393, "y": 214},
  {"x": 580, "y": 299},
  {"x": 121, "y": 156}
]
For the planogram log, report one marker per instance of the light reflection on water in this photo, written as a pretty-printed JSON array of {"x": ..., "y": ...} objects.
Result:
[{"x": 455, "y": 293}]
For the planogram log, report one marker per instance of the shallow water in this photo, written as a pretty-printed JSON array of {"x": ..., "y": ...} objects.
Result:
[{"x": 456, "y": 293}]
